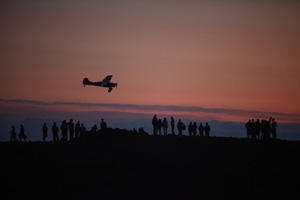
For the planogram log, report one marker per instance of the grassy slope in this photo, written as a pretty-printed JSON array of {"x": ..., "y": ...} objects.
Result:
[{"x": 149, "y": 167}]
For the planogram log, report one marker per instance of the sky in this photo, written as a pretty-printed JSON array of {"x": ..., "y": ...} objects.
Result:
[{"x": 223, "y": 60}]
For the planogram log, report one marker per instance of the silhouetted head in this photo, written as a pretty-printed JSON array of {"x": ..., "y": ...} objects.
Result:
[{"x": 179, "y": 120}]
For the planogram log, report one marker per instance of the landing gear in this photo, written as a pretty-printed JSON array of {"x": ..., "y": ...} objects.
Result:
[{"x": 109, "y": 90}]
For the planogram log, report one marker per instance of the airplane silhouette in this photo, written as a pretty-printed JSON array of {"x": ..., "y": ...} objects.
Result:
[{"x": 105, "y": 83}]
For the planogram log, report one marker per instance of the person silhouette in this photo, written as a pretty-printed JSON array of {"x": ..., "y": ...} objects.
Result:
[
  {"x": 172, "y": 126},
  {"x": 201, "y": 130},
  {"x": 248, "y": 128},
  {"x": 64, "y": 130},
  {"x": 165, "y": 125},
  {"x": 180, "y": 127},
  {"x": 257, "y": 126},
  {"x": 77, "y": 129},
  {"x": 268, "y": 128},
  {"x": 82, "y": 132},
  {"x": 71, "y": 129},
  {"x": 159, "y": 125},
  {"x": 190, "y": 129},
  {"x": 13, "y": 135},
  {"x": 274, "y": 128},
  {"x": 45, "y": 132},
  {"x": 263, "y": 129},
  {"x": 154, "y": 124},
  {"x": 194, "y": 129},
  {"x": 103, "y": 125},
  {"x": 54, "y": 132},
  {"x": 207, "y": 129},
  {"x": 22, "y": 134}
]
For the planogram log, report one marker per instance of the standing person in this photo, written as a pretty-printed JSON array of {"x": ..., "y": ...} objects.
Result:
[
  {"x": 13, "y": 135},
  {"x": 103, "y": 125},
  {"x": 190, "y": 129},
  {"x": 207, "y": 129},
  {"x": 54, "y": 132},
  {"x": 263, "y": 129},
  {"x": 172, "y": 125},
  {"x": 77, "y": 129},
  {"x": 45, "y": 132},
  {"x": 64, "y": 130},
  {"x": 71, "y": 129},
  {"x": 159, "y": 125},
  {"x": 201, "y": 130},
  {"x": 252, "y": 129},
  {"x": 165, "y": 125},
  {"x": 180, "y": 127},
  {"x": 22, "y": 134},
  {"x": 194, "y": 129},
  {"x": 154, "y": 124},
  {"x": 82, "y": 132},
  {"x": 248, "y": 128},
  {"x": 268, "y": 128},
  {"x": 274, "y": 128},
  {"x": 257, "y": 129}
]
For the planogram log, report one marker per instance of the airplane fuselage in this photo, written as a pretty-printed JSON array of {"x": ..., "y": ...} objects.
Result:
[{"x": 109, "y": 85}]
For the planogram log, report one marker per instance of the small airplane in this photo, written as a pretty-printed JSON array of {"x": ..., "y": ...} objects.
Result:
[{"x": 105, "y": 83}]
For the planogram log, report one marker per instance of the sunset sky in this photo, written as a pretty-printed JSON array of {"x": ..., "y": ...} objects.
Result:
[{"x": 223, "y": 60}]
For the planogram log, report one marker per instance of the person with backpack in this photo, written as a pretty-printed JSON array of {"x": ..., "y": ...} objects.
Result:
[{"x": 180, "y": 127}]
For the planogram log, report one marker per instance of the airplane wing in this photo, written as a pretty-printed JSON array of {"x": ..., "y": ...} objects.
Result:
[{"x": 107, "y": 79}]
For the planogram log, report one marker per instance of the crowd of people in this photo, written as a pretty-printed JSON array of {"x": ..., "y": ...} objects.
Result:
[
  {"x": 158, "y": 124},
  {"x": 75, "y": 131},
  {"x": 261, "y": 129},
  {"x": 71, "y": 131}
]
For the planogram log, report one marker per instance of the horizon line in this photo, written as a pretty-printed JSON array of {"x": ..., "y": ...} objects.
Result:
[{"x": 167, "y": 108}]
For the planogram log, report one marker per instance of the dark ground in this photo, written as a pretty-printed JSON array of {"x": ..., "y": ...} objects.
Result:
[{"x": 151, "y": 168}]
